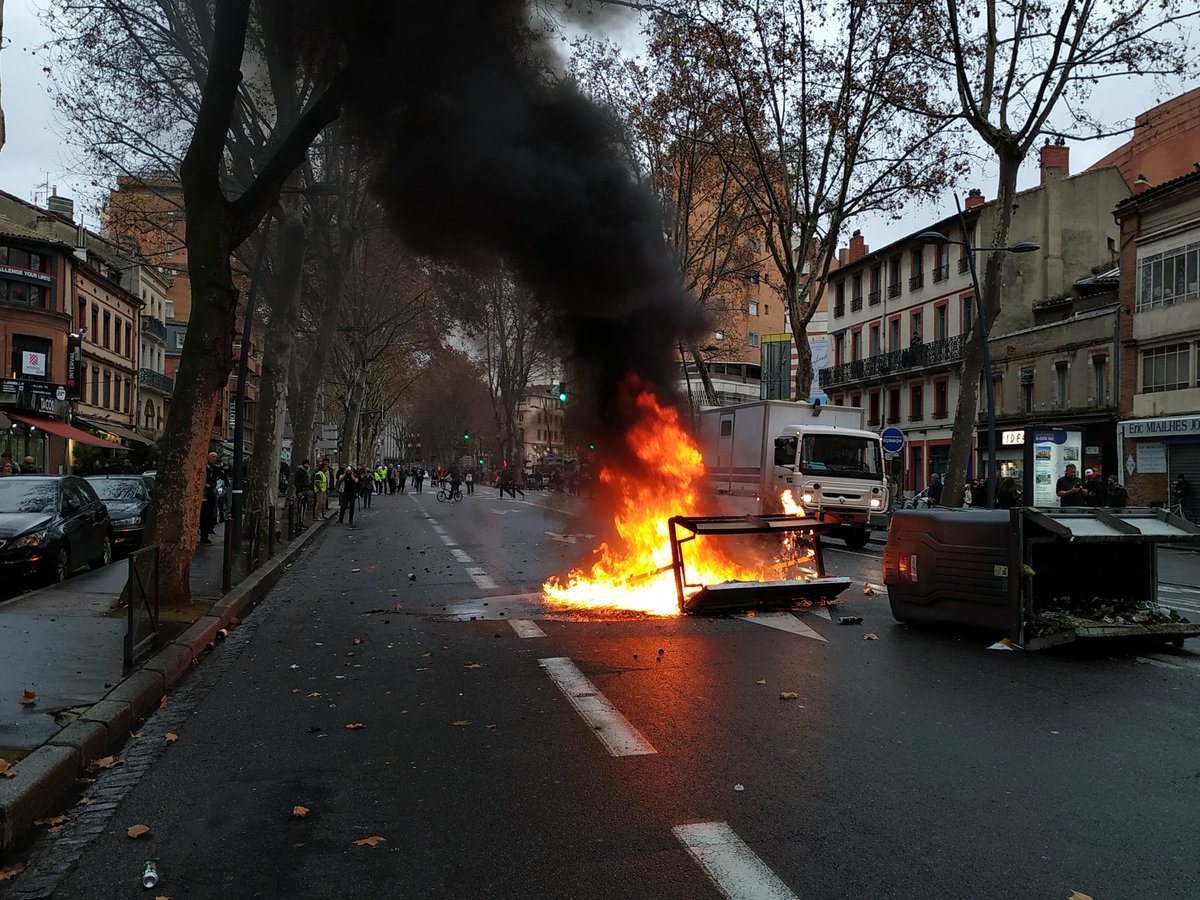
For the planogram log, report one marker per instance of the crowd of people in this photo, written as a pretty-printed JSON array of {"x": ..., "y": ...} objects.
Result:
[{"x": 1093, "y": 490}]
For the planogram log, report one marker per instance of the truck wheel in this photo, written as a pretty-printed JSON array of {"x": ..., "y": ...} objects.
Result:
[{"x": 856, "y": 538}]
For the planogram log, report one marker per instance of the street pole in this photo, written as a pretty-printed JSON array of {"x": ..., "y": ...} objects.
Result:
[{"x": 989, "y": 382}]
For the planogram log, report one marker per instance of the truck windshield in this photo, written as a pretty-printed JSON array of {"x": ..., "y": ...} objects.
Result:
[{"x": 837, "y": 454}]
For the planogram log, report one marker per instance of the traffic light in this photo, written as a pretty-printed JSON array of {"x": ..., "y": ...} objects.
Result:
[
  {"x": 466, "y": 435},
  {"x": 591, "y": 446},
  {"x": 481, "y": 460},
  {"x": 562, "y": 392}
]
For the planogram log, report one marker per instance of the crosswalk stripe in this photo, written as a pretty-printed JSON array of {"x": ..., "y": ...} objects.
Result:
[
  {"x": 735, "y": 869},
  {"x": 613, "y": 729},
  {"x": 784, "y": 621},
  {"x": 526, "y": 628}
]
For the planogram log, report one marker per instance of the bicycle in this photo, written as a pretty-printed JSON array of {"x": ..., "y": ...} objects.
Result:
[{"x": 450, "y": 494}]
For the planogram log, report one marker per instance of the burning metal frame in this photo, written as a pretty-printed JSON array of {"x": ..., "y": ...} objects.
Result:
[{"x": 818, "y": 590}]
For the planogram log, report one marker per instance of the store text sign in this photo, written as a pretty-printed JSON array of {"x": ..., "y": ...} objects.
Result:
[{"x": 1161, "y": 427}]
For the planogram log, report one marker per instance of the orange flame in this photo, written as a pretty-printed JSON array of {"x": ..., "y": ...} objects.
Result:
[{"x": 637, "y": 574}]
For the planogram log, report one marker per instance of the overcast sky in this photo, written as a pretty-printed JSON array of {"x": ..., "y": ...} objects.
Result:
[{"x": 35, "y": 157}]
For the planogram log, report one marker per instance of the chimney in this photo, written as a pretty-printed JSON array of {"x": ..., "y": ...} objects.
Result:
[
  {"x": 858, "y": 248},
  {"x": 1141, "y": 184},
  {"x": 1056, "y": 157},
  {"x": 974, "y": 198},
  {"x": 63, "y": 206}
]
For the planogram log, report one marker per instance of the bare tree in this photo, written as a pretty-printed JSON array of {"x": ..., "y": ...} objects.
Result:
[
  {"x": 815, "y": 105},
  {"x": 1015, "y": 64}
]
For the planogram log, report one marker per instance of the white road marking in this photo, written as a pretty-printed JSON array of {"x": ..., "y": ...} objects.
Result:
[
  {"x": 823, "y": 613},
  {"x": 784, "y": 621},
  {"x": 481, "y": 578},
  {"x": 612, "y": 728},
  {"x": 526, "y": 628},
  {"x": 477, "y": 574},
  {"x": 447, "y": 540},
  {"x": 438, "y": 528},
  {"x": 733, "y": 867},
  {"x": 461, "y": 555}
]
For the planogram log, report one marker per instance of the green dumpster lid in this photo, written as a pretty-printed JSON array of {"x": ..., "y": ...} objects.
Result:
[{"x": 1098, "y": 525}]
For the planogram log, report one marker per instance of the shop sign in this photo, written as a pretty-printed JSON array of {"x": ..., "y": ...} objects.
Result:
[
  {"x": 33, "y": 396},
  {"x": 25, "y": 274},
  {"x": 33, "y": 362},
  {"x": 1143, "y": 428},
  {"x": 1013, "y": 438},
  {"x": 1053, "y": 450},
  {"x": 1151, "y": 457}
]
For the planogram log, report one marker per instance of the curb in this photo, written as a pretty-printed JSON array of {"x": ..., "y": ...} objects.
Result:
[{"x": 46, "y": 774}]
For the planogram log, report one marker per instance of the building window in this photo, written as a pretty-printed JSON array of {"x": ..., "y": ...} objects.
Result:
[
  {"x": 107, "y": 329},
  {"x": 95, "y": 324},
  {"x": 753, "y": 308},
  {"x": 25, "y": 283},
  {"x": 752, "y": 339},
  {"x": 856, "y": 401},
  {"x": 1167, "y": 278},
  {"x": 717, "y": 335},
  {"x": 839, "y": 299},
  {"x": 894, "y": 334},
  {"x": 1027, "y": 376},
  {"x": 107, "y": 389},
  {"x": 839, "y": 349},
  {"x": 941, "y": 323},
  {"x": 1061, "y": 382},
  {"x": 916, "y": 402},
  {"x": 170, "y": 309},
  {"x": 1166, "y": 368},
  {"x": 856, "y": 292},
  {"x": 95, "y": 386},
  {"x": 941, "y": 399},
  {"x": 893, "y": 406},
  {"x": 941, "y": 262},
  {"x": 916, "y": 278},
  {"x": 117, "y": 393},
  {"x": 894, "y": 277},
  {"x": 129, "y": 339},
  {"x": 875, "y": 346},
  {"x": 149, "y": 418},
  {"x": 1100, "y": 380},
  {"x": 916, "y": 327},
  {"x": 873, "y": 408},
  {"x": 968, "y": 314},
  {"x": 170, "y": 249},
  {"x": 876, "y": 294},
  {"x": 856, "y": 344},
  {"x": 30, "y": 358}
]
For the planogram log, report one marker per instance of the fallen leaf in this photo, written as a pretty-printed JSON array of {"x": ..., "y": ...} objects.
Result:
[
  {"x": 315, "y": 694},
  {"x": 461, "y": 723},
  {"x": 1075, "y": 895},
  {"x": 473, "y": 666},
  {"x": 430, "y": 653},
  {"x": 354, "y": 726},
  {"x": 162, "y": 704},
  {"x": 870, "y": 636},
  {"x": 349, "y": 652},
  {"x": 6, "y": 769},
  {"x": 27, "y": 698},
  {"x": 135, "y": 734},
  {"x": 299, "y": 811},
  {"x": 396, "y": 607},
  {"x": 761, "y": 681},
  {"x": 106, "y": 763},
  {"x": 356, "y": 641},
  {"x": 369, "y": 841},
  {"x": 7, "y": 872},
  {"x": 170, "y": 737},
  {"x": 52, "y": 820},
  {"x": 787, "y": 695},
  {"x": 136, "y": 831},
  {"x": 490, "y": 727},
  {"x": 86, "y": 801}
]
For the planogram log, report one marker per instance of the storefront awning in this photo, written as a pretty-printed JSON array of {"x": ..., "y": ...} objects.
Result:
[
  {"x": 62, "y": 429},
  {"x": 119, "y": 430}
]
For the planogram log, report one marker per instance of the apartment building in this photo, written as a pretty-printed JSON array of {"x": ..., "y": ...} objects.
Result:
[{"x": 900, "y": 316}]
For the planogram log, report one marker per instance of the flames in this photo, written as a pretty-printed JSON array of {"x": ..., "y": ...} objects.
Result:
[{"x": 634, "y": 573}]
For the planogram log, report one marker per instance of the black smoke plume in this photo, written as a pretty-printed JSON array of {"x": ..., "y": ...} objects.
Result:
[{"x": 482, "y": 153}]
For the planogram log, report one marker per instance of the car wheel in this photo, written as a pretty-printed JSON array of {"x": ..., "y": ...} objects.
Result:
[
  {"x": 106, "y": 554},
  {"x": 62, "y": 564},
  {"x": 856, "y": 539}
]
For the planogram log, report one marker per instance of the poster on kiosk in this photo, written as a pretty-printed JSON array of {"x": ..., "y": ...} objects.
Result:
[{"x": 1048, "y": 452}]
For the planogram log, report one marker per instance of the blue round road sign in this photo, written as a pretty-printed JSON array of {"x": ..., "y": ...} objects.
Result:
[{"x": 892, "y": 439}]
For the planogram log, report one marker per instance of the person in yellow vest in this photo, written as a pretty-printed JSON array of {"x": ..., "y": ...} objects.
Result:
[
  {"x": 379, "y": 474},
  {"x": 321, "y": 488}
]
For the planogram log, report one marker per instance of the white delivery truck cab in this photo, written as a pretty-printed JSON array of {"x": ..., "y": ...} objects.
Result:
[{"x": 831, "y": 463}]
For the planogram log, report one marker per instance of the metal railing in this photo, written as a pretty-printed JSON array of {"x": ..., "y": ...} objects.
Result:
[
  {"x": 839, "y": 310},
  {"x": 156, "y": 381},
  {"x": 964, "y": 266},
  {"x": 942, "y": 272},
  {"x": 152, "y": 327},
  {"x": 874, "y": 297},
  {"x": 917, "y": 356},
  {"x": 856, "y": 303},
  {"x": 893, "y": 290},
  {"x": 917, "y": 281},
  {"x": 141, "y": 594}
]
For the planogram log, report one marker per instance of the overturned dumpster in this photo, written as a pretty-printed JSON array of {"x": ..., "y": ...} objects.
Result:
[{"x": 1040, "y": 577}]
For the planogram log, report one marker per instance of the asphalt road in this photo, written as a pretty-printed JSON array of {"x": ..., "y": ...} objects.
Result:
[{"x": 918, "y": 765}]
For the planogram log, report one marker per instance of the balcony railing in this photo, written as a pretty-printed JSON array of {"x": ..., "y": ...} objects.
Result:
[
  {"x": 839, "y": 310},
  {"x": 916, "y": 282},
  {"x": 856, "y": 303},
  {"x": 874, "y": 297},
  {"x": 942, "y": 272},
  {"x": 918, "y": 356},
  {"x": 893, "y": 290},
  {"x": 156, "y": 381},
  {"x": 151, "y": 327},
  {"x": 964, "y": 266}
]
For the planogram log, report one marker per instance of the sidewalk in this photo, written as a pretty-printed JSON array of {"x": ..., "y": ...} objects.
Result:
[{"x": 65, "y": 644}]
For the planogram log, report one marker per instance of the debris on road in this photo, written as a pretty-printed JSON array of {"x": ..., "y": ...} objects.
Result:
[
  {"x": 870, "y": 636},
  {"x": 299, "y": 812},
  {"x": 136, "y": 831},
  {"x": 788, "y": 695},
  {"x": 739, "y": 787},
  {"x": 370, "y": 841},
  {"x": 27, "y": 698},
  {"x": 850, "y": 620}
]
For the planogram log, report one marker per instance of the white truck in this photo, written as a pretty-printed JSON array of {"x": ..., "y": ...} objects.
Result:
[{"x": 823, "y": 454}]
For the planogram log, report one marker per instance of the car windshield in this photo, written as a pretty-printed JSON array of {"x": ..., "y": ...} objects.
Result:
[
  {"x": 28, "y": 495},
  {"x": 123, "y": 489},
  {"x": 837, "y": 454}
]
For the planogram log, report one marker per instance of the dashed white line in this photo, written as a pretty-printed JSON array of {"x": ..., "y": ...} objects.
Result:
[
  {"x": 477, "y": 574},
  {"x": 612, "y": 728},
  {"x": 526, "y": 628},
  {"x": 784, "y": 621},
  {"x": 461, "y": 555},
  {"x": 733, "y": 867},
  {"x": 481, "y": 578}
]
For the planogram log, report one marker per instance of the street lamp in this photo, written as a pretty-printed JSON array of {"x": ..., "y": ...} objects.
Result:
[{"x": 936, "y": 237}]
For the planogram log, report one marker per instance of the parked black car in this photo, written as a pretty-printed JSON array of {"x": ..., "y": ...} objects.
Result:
[
  {"x": 126, "y": 497},
  {"x": 50, "y": 525}
]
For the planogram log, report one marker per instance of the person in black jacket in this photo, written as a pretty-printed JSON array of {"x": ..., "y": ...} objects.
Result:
[{"x": 347, "y": 485}]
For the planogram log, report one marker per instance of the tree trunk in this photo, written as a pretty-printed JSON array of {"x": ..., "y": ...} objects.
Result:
[
  {"x": 804, "y": 364},
  {"x": 350, "y": 438},
  {"x": 273, "y": 385},
  {"x": 967, "y": 411}
]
